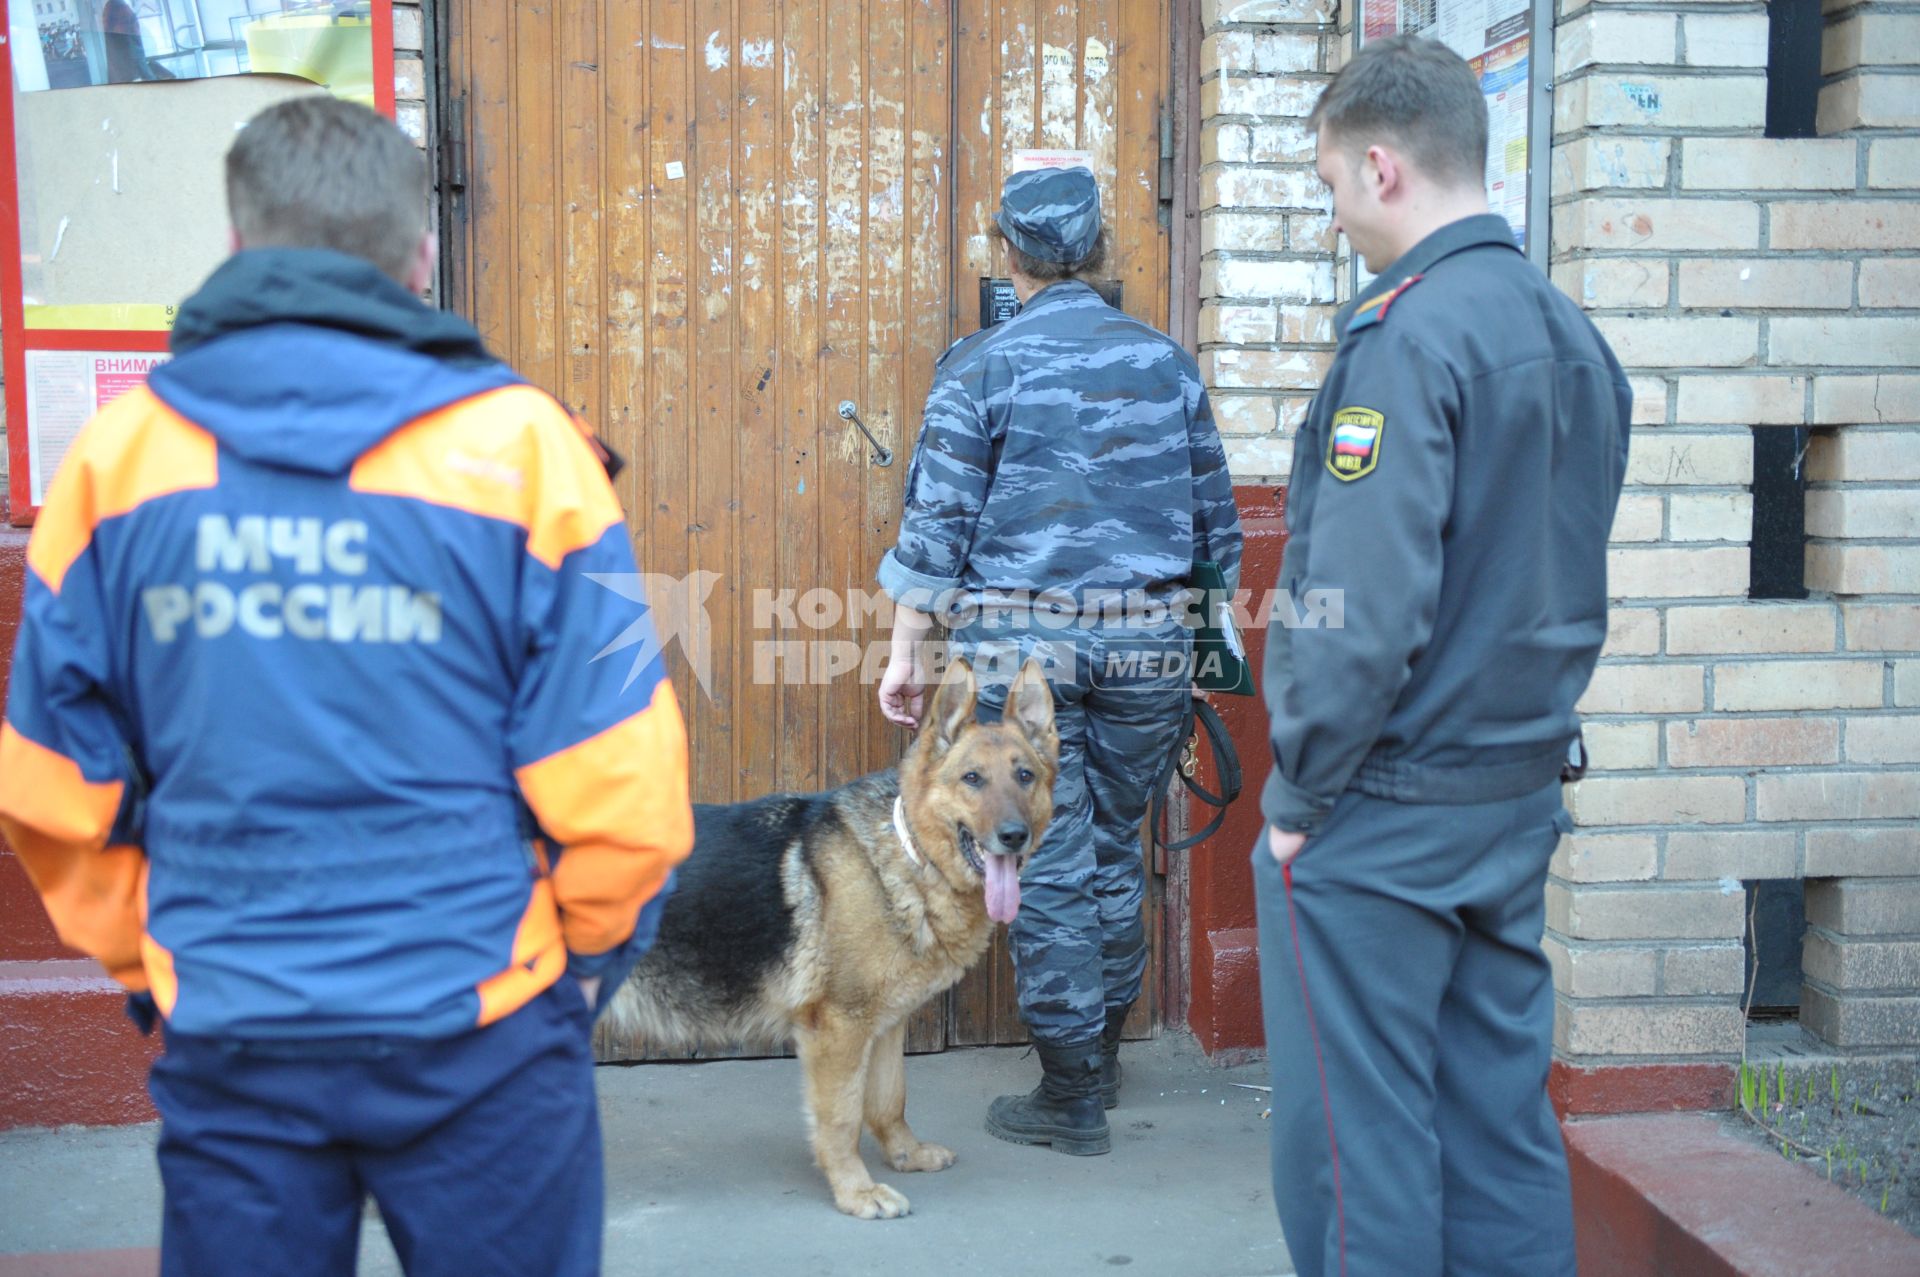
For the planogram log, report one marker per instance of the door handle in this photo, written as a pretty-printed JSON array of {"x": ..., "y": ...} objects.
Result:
[{"x": 849, "y": 411}]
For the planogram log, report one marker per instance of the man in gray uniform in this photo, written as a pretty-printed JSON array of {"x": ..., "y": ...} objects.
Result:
[
  {"x": 1456, "y": 479},
  {"x": 1067, "y": 475}
]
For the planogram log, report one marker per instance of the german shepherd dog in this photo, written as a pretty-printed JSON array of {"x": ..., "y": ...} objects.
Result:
[{"x": 829, "y": 918}]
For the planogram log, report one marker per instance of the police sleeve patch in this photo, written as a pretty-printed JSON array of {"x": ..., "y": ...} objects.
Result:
[{"x": 1353, "y": 444}]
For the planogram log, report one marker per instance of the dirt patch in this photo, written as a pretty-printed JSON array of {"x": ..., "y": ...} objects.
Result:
[{"x": 1856, "y": 1123}]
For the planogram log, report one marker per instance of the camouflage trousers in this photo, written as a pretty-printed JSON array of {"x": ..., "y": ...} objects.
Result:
[{"x": 1079, "y": 943}]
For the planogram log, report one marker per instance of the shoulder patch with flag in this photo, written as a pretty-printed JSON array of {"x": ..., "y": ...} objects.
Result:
[{"x": 1353, "y": 444}]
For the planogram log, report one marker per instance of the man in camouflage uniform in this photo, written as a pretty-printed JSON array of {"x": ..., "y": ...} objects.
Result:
[{"x": 1067, "y": 475}]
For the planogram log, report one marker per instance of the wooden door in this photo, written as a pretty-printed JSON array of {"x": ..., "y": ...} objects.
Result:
[{"x": 703, "y": 226}]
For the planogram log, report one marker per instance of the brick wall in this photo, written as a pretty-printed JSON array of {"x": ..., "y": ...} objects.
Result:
[{"x": 1745, "y": 282}]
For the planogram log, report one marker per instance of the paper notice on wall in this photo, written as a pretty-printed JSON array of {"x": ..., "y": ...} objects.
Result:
[
  {"x": 1028, "y": 161},
  {"x": 1494, "y": 36},
  {"x": 65, "y": 388}
]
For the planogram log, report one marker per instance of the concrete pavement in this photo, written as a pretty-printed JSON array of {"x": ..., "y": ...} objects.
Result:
[{"x": 708, "y": 1173}]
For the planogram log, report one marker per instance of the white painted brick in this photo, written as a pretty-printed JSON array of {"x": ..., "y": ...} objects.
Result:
[
  {"x": 1649, "y": 400},
  {"x": 1652, "y": 1027},
  {"x": 1265, "y": 369},
  {"x": 1641, "y": 516},
  {"x": 1742, "y": 399},
  {"x": 409, "y": 79},
  {"x": 1851, "y": 568},
  {"x": 1725, "y": 40},
  {"x": 1659, "y": 800},
  {"x": 412, "y": 119},
  {"x": 1650, "y": 224},
  {"x": 1872, "y": 399},
  {"x": 1753, "y": 742},
  {"x": 1589, "y": 857},
  {"x": 1661, "y": 102},
  {"x": 1617, "y": 38},
  {"x": 1603, "y": 971},
  {"x": 1632, "y": 631},
  {"x": 1906, "y": 684},
  {"x": 1732, "y": 853},
  {"x": 1781, "y": 284},
  {"x": 1767, "y": 164},
  {"x": 1636, "y": 913},
  {"x": 1244, "y": 414},
  {"x": 1247, "y": 232},
  {"x": 1279, "y": 280},
  {"x": 1306, "y": 325},
  {"x": 1262, "y": 52},
  {"x": 1227, "y": 143},
  {"x": 1282, "y": 142},
  {"x": 1703, "y": 970},
  {"x": 1600, "y": 163},
  {"x": 1889, "y": 455},
  {"x": 1214, "y": 12},
  {"x": 1890, "y": 795},
  {"x": 1258, "y": 95},
  {"x": 1711, "y": 516},
  {"x": 1623, "y": 747},
  {"x": 1870, "y": 40},
  {"x": 407, "y": 27},
  {"x": 1868, "y": 101},
  {"x": 1797, "y": 685},
  {"x": 1239, "y": 325},
  {"x": 1259, "y": 460},
  {"x": 1893, "y": 162},
  {"x": 1882, "y": 627},
  {"x": 1842, "y": 339},
  {"x": 1890, "y": 282},
  {"x": 1884, "y": 738},
  {"x": 1311, "y": 233},
  {"x": 1750, "y": 627},
  {"x": 1640, "y": 342},
  {"x": 1614, "y": 283},
  {"x": 1855, "y": 851},
  {"x": 1849, "y": 224},
  {"x": 1231, "y": 186},
  {"x": 1634, "y": 573},
  {"x": 1864, "y": 513},
  {"x": 1665, "y": 457},
  {"x": 1645, "y": 689}
]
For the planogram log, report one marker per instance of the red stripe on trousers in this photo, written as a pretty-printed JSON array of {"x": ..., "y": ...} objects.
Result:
[{"x": 1326, "y": 1099}]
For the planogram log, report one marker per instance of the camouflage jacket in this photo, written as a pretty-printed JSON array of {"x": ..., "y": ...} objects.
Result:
[{"x": 1070, "y": 449}]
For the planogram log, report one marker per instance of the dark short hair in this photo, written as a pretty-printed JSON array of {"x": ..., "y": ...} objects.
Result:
[
  {"x": 316, "y": 171},
  {"x": 1416, "y": 93},
  {"x": 1046, "y": 272}
]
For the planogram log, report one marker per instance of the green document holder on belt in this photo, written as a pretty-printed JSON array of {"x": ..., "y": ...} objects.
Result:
[{"x": 1219, "y": 658}]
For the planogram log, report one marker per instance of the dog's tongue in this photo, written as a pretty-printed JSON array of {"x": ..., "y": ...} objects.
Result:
[{"x": 1003, "y": 887}]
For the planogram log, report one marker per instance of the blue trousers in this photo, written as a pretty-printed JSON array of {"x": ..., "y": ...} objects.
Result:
[
  {"x": 1079, "y": 943},
  {"x": 482, "y": 1151},
  {"x": 1409, "y": 1021}
]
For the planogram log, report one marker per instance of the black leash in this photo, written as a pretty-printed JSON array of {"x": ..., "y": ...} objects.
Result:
[{"x": 1184, "y": 761}]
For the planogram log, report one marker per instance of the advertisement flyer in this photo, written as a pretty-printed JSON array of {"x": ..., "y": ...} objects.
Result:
[{"x": 64, "y": 389}]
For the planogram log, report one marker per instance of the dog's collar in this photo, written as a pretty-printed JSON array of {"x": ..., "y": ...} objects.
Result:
[{"x": 900, "y": 828}]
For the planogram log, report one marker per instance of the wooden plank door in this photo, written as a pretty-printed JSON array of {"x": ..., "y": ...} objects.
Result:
[
  {"x": 703, "y": 226},
  {"x": 1081, "y": 75}
]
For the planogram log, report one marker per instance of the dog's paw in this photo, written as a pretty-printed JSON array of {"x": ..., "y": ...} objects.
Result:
[
  {"x": 922, "y": 1157},
  {"x": 876, "y": 1201}
]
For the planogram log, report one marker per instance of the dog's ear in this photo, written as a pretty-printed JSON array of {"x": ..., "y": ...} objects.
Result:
[
  {"x": 1030, "y": 708},
  {"x": 952, "y": 704}
]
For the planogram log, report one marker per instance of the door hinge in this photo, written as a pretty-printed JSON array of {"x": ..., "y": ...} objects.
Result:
[
  {"x": 1166, "y": 165},
  {"x": 453, "y": 145}
]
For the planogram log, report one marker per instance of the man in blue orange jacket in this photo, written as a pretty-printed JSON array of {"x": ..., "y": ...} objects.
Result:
[{"x": 307, "y": 743}]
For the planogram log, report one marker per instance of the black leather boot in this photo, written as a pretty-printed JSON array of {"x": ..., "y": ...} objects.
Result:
[
  {"x": 1064, "y": 1110},
  {"x": 1110, "y": 1056}
]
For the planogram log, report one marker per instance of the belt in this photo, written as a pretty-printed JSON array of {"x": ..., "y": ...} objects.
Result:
[{"x": 1400, "y": 781}]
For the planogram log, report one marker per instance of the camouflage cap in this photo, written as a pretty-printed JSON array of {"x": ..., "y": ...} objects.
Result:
[{"x": 1052, "y": 214}]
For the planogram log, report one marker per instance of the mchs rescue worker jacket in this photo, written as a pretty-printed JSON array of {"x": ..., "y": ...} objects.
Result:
[{"x": 306, "y": 733}]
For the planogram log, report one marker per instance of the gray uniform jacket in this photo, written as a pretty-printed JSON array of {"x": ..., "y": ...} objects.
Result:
[
  {"x": 1456, "y": 479},
  {"x": 1069, "y": 449}
]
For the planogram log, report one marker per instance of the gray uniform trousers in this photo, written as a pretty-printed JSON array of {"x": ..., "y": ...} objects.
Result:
[
  {"x": 1079, "y": 944},
  {"x": 1409, "y": 1022}
]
